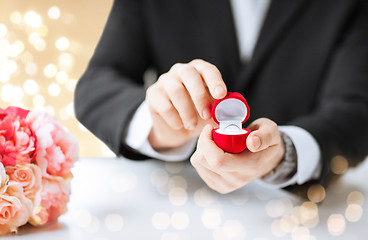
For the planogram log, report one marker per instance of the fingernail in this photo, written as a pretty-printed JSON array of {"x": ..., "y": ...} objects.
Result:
[
  {"x": 256, "y": 142},
  {"x": 219, "y": 91},
  {"x": 206, "y": 114}
]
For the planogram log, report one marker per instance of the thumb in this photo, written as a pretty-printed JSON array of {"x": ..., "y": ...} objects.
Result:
[{"x": 265, "y": 134}]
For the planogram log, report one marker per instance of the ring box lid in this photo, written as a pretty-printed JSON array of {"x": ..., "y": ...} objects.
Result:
[{"x": 230, "y": 112}]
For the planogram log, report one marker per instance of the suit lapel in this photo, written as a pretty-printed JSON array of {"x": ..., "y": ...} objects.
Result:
[{"x": 281, "y": 15}]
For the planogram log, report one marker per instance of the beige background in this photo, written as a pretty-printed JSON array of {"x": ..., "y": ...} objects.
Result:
[{"x": 45, "y": 46}]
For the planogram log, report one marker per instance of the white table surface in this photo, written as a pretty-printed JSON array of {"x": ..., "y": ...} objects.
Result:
[{"x": 122, "y": 199}]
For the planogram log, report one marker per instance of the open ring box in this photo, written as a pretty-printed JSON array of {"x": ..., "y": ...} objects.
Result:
[{"x": 230, "y": 113}]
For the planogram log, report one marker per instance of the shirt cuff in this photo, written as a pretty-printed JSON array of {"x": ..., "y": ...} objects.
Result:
[
  {"x": 308, "y": 158},
  {"x": 137, "y": 138}
]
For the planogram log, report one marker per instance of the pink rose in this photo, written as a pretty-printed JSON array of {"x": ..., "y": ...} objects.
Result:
[
  {"x": 15, "y": 208},
  {"x": 17, "y": 142},
  {"x": 4, "y": 179},
  {"x": 58, "y": 149},
  {"x": 54, "y": 198},
  {"x": 29, "y": 176}
]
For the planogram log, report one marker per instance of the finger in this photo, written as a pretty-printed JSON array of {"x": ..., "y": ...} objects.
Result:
[
  {"x": 193, "y": 82},
  {"x": 182, "y": 102},
  {"x": 212, "y": 77},
  {"x": 159, "y": 104},
  {"x": 212, "y": 179},
  {"x": 264, "y": 134},
  {"x": 215, "y": 156}
]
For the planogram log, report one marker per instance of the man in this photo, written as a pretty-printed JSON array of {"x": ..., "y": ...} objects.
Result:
[{"x": 302, "y": 65}]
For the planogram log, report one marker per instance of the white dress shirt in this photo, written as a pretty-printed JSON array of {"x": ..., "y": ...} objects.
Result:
[{"x": 249, "y": 16}]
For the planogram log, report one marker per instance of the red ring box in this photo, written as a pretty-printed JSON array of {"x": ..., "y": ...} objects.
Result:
[{"x": 230, "y": 113}]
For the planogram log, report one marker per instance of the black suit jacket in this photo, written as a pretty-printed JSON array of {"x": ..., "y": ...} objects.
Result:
[{"x": 309, "y": 68}]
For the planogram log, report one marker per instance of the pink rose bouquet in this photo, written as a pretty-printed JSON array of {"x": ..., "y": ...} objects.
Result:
[{"x": 36, "y": 155}]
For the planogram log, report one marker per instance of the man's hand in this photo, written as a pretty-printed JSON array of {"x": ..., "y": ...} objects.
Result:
[
  {"x": 225, "y": 172},
  {"x": 180, "y": 102}
]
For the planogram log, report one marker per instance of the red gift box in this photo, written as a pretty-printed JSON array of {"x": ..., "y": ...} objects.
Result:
[{"x": 230, "y": 113}]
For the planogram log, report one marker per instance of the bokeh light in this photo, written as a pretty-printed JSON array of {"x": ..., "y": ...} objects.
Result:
[
  {"x": 54, "y": 12},
  {"x": 33, "y": 19},
  {"x": 336, "y": 224},
  {"x": 339, "y": 164},
  {"x": 353, "y": 212},
  {"x": 316, "y": 193},
  {"x": 62, "y": 44},
  {"x": 114, "y": 222},
  {"x": 180, "y": 220}
]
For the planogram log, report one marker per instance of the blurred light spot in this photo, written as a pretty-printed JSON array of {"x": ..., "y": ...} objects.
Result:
[
  {"x": 65, "y": 60},
  {"x": 180, "y": 220},
  {"x": 67, "y": 18},
  {"x": 288, "y": 223},
  {"x": 11, "y": 66},
  {"x": 38, "y": 100},
  {"x": 54, "y": 89},
  {"x": 40, "y": 45},
  {"x": 355, "y": 197},
  {"x": 82, "y": 218},
  {"x": 160, "y": 220},
  {"x": 114, "y": 222},
  {"x": 211, "y": 218},
  {"x": 10, "y": 93},
  {"x": 308, "y": 211},
  {"x": 71, "y": 84},
  {"x": 94, "y": 225},
  {"x": 50, "y": 70},
  {"x": 6, "y": 93},
  {"x": 70, "y": 109},
  {"x": 159, "y": 178},
  {"x": 33, "y": 38},
  {"x": 4, "y": 45},
  {"x": 31, "y": 87},
  {"x": 353, "y": 212},
  {"x": 62, "y": 77},
  {"x": 339, "y": 165},
  {"x": 3, "y": 30},
  {"x": 276, "y": 229},
  {"x": 16, "y": 48},
  {"x": 62, "y": 44},
  {"x": 174, "y": 167},
  {"x": 31, "y": 68},
  {"x": 204, "y": 197},
  {"x": 336, "y": 224},
  {"x": 16, "y": 17},
  {"x": 125, "y": 181},
  {"x": 54, "y": 12},
  {"x": 300, "y": 233},
  {"x": 42, "y": 31},
  {"x": 177, "y": 182},
  {"x": 232, "y": 229},
  {"x": 32, "y": 19},
  {"x": 178, "y": 196},
  {"x": 4, "y": 76},
  {"x": 262, "y": 195},
  {"x": 316, "y": 193},
  {"x": 277, "y": 207},
  {"x": 26, "y": 57}
]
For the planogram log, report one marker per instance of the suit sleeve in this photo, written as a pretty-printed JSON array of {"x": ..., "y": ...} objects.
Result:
[
  {"x": 112, "y": 87},
  {"x": 340, "y": 121}
]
